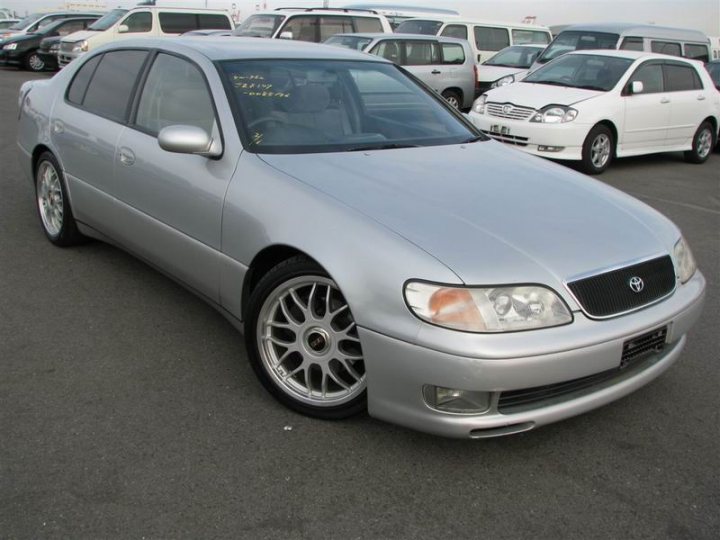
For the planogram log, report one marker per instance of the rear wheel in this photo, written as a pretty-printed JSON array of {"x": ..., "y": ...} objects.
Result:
[
  {"x": 703, "y": 144},
  {"x": 598, "y": 150},
  {"x": 53, "y": 205},
  {"x": 34, "y": 62},
  {"x": 453, "y": 98},
  {"x": 303, "y": 343}
]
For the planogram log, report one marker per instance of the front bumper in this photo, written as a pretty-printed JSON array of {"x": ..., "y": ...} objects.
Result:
[
  {"x": 530, "y": 136},
  {"x": 11, "y": 58},
  {"x": 65, "y": 57},
  {"x": 397, "y": 371}
]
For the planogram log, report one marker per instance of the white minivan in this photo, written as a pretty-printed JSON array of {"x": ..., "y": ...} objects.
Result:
[
  {"x": 146, "y": 21},
  {"x": 485, "y": 37}
]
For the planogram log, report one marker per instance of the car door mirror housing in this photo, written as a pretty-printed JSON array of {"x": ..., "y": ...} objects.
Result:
[
  {"x": 287, "y": 34},
  {"x": 636, "y": 87},
  {"x": 182, "y": 139},
  {"x": 123, "y": 29}
]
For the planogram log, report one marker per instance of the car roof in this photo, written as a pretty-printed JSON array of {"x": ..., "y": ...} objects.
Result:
[
  {"x": 633, "y": 55},
  {"x": 416, "y": 37},
  {"x": 641, "y": 30},
  {"x": 242, "y": 48},
  {"x": 319, "y": 11},
  {"x": 479, "y": 22}
]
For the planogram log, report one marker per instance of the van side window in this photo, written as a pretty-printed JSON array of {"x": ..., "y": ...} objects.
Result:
[
  {"x": 331, "y": 25},
  {"x": 78, "y": 86},
  {"x": 632, "y": 44},
  {"x": 367, "y": 24},
  {"x": 491, "y": 39},
  {"x": 680, "y": 78},
  {"x": 521, "y": 37},
  {"x": 696, "y": 52},
  {"x": 651, "y": 75},
  {"x": 453, "y": 53},
  {"x": 177, "y": 23},
  {"x": 139, "y": 22},
  {"x": 111, "y": 86},
  {"x": 666, "y": 47},
  {"x": 421, "y": 53},
  {"x": 455, "y": 30}
]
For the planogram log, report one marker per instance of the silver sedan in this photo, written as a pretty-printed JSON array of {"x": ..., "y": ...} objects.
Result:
[{"x": 377, "y": 250}]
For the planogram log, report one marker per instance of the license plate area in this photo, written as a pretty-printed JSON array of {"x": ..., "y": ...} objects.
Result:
[
  {"x": 639, "y": 347},
  {"x": 499, "y": 130}
]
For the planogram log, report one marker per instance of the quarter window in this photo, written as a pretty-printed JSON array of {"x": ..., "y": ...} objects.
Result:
[
  {"x": 453, "y": 53},
  {"x": 680, "y": 78},
  {"x": 697, "y": 52},
  {"x": 109, "y": 91},
  {"x": 367, "y": 24},
  {"x": 79, "y": 84},
  {"x": 521, "y": 37},
  {"x": 175, "y": 93},
  {"x": 455, "y": 30},
  {"x": 491, "y": 39},
  {"x": 651, "y": 75},
  {"x": 632, "y": 44},
  {"x": 139, "y": 22},
  {"x": 666, "y": 47}
]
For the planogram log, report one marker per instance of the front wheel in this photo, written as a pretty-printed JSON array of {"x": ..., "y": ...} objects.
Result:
[
  {"x": 303, "y": 343},
  {"x": 34, "y": 62},
  {"x": 703, "y": 143},
  {"x": 598, "y": 150}
]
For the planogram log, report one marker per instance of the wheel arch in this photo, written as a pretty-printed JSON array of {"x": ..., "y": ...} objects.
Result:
[
  {"x": 458, "y": 91},
  {"x": 38, "y": 151},
  {"x": 613, "y": 129}
]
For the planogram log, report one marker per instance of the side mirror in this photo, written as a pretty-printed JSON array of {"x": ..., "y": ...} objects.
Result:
[
  {"x": 123, "y": 29},
  {"x": 636, "y": 87},
  {"x": 188, "y": 140},
  {"x": 287, "y": 34}
]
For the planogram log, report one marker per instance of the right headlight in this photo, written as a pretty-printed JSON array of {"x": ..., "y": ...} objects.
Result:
[
  {"x": 487, "y": 309},
  {"x": 479, "y": 105},
  {"x": 684, "y": 260},
  {"x": 504, "y": 81},
  {"x": 80, "y": 46}
]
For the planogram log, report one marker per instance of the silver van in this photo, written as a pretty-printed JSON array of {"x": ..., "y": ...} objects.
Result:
[
  {"x": 444, "y": 64},
  {"x": 632, "y": 37}
]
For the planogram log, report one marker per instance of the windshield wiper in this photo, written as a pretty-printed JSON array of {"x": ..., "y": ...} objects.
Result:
[
  {"x": 476, "y": 138},
  {"x": 591, "y": 87},
  {"x": 388, "y": 146}
]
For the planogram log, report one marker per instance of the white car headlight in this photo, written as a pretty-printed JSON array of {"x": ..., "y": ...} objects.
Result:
[
  {"x": 479, "y": 105},
  {"x": 10, "y": 46},
  {"x": 685, "y": 264},
  {"x": 487, "y": 309},
  {"x": 80, "y": 46},
  {"x": 504, "y": 81},
  {"x": 555, "y": 114}
]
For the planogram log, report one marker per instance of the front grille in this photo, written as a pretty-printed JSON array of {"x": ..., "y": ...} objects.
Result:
[
  {"x": 66, "y": 46},
  {"x": 610, "y": 293},
  {"x": 508, "y": 139},
  {"x": 637, "y": 354},
  {"x": 508, "y": 110}
]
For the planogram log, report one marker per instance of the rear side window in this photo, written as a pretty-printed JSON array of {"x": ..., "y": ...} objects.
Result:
[
  {"x": 680, "y": 78},
  {"x": 209, "y": 21},
  {"x": 110, "y": 88},
  {"x": 455, "y": 30},
  {"x": 367, "y": 24},
  {"x": 697, "y": 52},
  {"x": 329, "y": 26},
  {"x": 79, "y": 84},
  {"x": 452, "y": 53},
  {"x": 521, "y": 37},
  {"x": 651, "y": 75},
  {"x": 666, "y": 47},
  {"x": 632, "y": 44},
  {"x": 177, "y": 23},
  {"x": 421, "y": 53},
  {"x": 139, "y": 22},
  {"x": 491, "y": 39}
]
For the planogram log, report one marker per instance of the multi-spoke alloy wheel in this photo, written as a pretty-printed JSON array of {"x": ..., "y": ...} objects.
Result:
[
  {"x": 305, "y": 346},
  {"x": 703, "y": 143},
  {"x": 50, "y": 198},
  {"x": 598, "y": 149}
]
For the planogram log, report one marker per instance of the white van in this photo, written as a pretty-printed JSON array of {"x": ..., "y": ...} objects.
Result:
[
  {"x": 397, "y": 14},
  {"x": 628, "y": 36},
  {"x": 146, "y": 21},
  {"x": 485, "y": 37},
  {"x": 715, "y": 48}
]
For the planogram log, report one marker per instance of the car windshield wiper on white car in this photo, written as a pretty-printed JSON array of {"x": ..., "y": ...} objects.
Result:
[{"x": 386, "y": 146}]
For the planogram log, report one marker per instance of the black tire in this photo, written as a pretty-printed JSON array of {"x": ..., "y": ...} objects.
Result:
[
  {"x": 598, "y": 150},
  {"x": 702, "y": 148},
  {"x": 66, "y": 234},
  {"x": 34, "y": 62},
  {"x": 453, "y": 98},
  {"x": 298, "y": 267}
]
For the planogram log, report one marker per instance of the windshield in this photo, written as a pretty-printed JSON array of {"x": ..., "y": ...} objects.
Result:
[
  {"x": 349, "y": 42},
  {"x": 714, "y": 71},
  {"x": 516, "y": 57},
  {"x": 107, "y": 20},
  {"x": 259, "y": 26},
  {"x": 428, "y": 28},
  {"x": 304, "y": 106},
  {"x": 578, "y": 41},
  {"x": 588, "y": 71},
  {"x": 27, "y": 21}
]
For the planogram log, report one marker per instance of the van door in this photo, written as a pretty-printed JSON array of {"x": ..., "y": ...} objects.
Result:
[
  {"x": 688, "y": 105},
  {"x": 647, "y": 114},
  {"x": 489, "y": 40},
  {"x": 136, "y": 24}
]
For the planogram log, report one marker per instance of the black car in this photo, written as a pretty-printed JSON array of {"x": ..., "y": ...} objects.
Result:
[
  {"x": 48, "y": 52},
  {"x": 22, "y": 50}
]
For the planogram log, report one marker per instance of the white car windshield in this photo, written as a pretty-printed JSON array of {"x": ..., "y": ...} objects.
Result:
[
  {"x": 429, "y": 28},
  {"x": 27, "y": 21},
  {"x": 349, "y": 42},
  {"x": 515, "y": 57},
  {"x": 303, "y": 106},
  {"x": 259, "y": 26},
  {"x": 572, "y": 40},
  {"x": 107, "y": 20},
  {"x": 587, "y": 71}
]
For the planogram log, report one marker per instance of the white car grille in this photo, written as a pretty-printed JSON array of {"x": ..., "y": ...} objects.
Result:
[{"x": 508, "y": 110}]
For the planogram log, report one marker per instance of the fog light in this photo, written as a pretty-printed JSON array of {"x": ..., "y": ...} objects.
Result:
[
  {"x": 550, "y": 148},
  {"x": 456, "y": 401}
]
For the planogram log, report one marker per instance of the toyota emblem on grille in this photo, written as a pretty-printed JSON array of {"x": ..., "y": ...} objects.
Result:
[
  {"x": 507, "y": 109},
  {"x": 636, "y": 284}
]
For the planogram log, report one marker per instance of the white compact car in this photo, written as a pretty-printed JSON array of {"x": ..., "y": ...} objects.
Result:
[{"x": 592, "y": 106}]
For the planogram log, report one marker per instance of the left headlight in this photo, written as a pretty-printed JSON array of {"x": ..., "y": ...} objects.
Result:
[
  {"x": 479, "y": 105},
  {"x": 555, "y": 114},
  {"x": 684, "y": 261},
  {"x": 487, "y": 309},
  {"x": 504, "y": 81},
  {"x": 10, "y": 46}
]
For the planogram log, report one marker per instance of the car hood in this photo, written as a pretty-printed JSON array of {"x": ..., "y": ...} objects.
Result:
[
  {"x": 539, "y": 95},
  {"x": 489, "y": 213},
  {"x": 493, "y": 73},
  {"x": 79, "y": 36}
]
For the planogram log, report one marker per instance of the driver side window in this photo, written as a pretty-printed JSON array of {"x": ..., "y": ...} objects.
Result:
[{"x": 139, "y": 22}]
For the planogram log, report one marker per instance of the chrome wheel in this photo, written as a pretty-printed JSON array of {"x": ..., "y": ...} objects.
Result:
[
  {"x": 50, "y": 198},
  {"x": 704, "y": 143},
  {"x": 600, "y": 151},
  {"x": 36, "y": 63},
  {"x": 308, "y": 342}
]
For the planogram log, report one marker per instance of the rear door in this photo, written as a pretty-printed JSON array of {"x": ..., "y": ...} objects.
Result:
[
  {"x": 647, "y": 115},
  {"x": 489, "y": 40},
  {"x": 423, "y": 59},
  {"x": 688, "y": 101}
]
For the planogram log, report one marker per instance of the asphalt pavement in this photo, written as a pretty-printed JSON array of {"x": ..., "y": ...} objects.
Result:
[{"x": 128, "y": 410}]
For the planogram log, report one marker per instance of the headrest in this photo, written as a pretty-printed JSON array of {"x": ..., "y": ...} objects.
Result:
[{"x": 311, "y": 98}]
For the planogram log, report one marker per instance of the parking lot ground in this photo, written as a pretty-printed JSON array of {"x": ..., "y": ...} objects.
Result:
[{"x": 128, "y": 410}]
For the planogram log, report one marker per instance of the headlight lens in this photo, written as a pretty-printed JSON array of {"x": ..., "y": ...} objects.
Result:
[
  {"x": 10, "y": 46},
  {"x": 490, "y": 309},
  {"x": 508, "y": 79},
  {"x": 80, "y": 46},
  {"x": 555, "y": 114},
  {"x": 479, "y": 105},
  {"x": 684, "y": 261}
]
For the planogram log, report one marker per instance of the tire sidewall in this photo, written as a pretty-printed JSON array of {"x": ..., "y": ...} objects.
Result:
[
  {"x": 452, "y": 94},
  {"x": 696, "y": 157},
  {"x": 587, "y": 164},
  {"x": 68, "y": 231}
]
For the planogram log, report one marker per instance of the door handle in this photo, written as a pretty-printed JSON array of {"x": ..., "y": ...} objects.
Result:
[
  {"x": 436, "y": 72},
  {"x": 665, "y": 100},
  {"x": 701, "y": 98},
  {"x": 58, "y": 127},
  {"x": 127, "y": 156}
]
